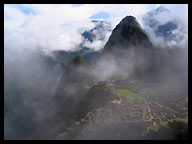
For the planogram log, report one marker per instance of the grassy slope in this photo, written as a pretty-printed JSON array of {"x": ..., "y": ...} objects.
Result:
[{"x": 129, "y": 94}]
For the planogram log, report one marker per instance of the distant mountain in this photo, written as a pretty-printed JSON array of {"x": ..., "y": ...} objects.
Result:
[
  {"x": 164, "y": 28},
  {"x": 62, "y": 57},
  {"x": 158, "y": 11},
  {"x": 98, "y": 32},
  {"x": 78, "y": 61}
]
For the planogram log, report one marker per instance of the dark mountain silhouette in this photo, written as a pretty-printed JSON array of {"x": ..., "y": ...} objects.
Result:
[
  {"x": 77, "y": 61},
  {"x": 75, "y": 82},
  {"x": 128, "y": 33},
  {"x": 129, "y": 40}
]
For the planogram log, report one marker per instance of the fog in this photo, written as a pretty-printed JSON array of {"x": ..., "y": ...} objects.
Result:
[
  {"x": 40, "y": 96},
  {"x": 169, "y": 75},
  {"x": 32, "y": 81},
  {"x": 34, "y": 84}
]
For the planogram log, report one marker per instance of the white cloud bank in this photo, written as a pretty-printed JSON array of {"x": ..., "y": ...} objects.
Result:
[{"x": 54, "y": 27}]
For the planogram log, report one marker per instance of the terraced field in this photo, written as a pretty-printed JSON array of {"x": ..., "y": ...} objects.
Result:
[{"x": 122, "y": 110}]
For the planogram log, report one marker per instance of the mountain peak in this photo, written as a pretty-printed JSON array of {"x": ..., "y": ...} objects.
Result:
[
  {"x": 127, "y": 33},
  {"x": 128, "y": 40},
  {"x": 77, "y": 60},
  {"x": 158, "y": 11},
  {"x": 130, "y": 21},
  {"x": 161, "y": 9}
]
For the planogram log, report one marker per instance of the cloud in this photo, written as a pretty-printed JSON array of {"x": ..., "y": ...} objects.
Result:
[
  {"x": 179, "y": 11},
  {"x": 52, "y": 27},
  {"x": 101, "y": 35},
  {"x": 57, "y": 26},
  {"x": 44, "y": 29},
  {"x": 178, "y": 35}
]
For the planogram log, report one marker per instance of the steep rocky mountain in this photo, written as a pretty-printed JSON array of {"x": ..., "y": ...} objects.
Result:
[
  {"x": 130, "y": 41},
  {"x": 128, "y": 33}
]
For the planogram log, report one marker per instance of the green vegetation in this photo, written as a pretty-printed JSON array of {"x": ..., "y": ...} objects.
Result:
[
  {"x": 164, "y": 123},
  {"x": 154, "y": 127},
  {"x": 129, "y": 94},
  {"x": 184, "y": 120},
  {"x": 144, "y": 110},
  {"x": 169, "y": 109},
  {"x": 77, "y": 60}
]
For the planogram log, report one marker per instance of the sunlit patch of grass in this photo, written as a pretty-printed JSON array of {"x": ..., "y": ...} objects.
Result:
[
  {"x": 164, "y": 123},
  {"x": 154, "y": 127},
  {"x": 184, "y": 120},
  {"x": 129, "y": 94}
]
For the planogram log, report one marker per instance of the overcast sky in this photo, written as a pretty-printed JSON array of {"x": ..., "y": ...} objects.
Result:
[{"x": 51, "y": 27}]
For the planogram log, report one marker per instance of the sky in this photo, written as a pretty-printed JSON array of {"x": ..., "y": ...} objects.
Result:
[{"x": 59, "y": 26}]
